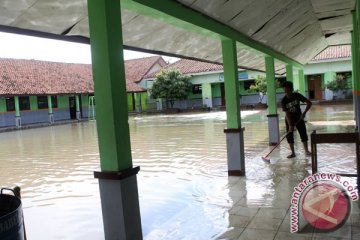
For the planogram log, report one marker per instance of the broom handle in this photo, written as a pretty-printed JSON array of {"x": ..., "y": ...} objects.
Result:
[
  {"x": 281, "y": 140},
  {"x": 277, "y": 144}
]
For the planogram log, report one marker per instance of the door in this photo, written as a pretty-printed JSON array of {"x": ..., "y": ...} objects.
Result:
[
  {"x": 222, "y": 92},
  {"x": 315, "y": 87},
  {"x": 72, "y": 107}
]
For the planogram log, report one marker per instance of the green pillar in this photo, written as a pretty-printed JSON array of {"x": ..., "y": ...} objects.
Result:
[
  {"x": 109, "y": 84},
  {"x": 231, "y": 84},
  {"x": 117, "y": 178},
  {"x": 355, "y": 65},
  {"x": 17, "y": 112},
  {"x": 289, "y": 73},
  {"x": 234, "y": 132},
  {"x": 207, "y": 94},
  {"x": 50, "y": 109},
  {"x": 271, "y": 85},
  {"x": 77, "y": 105},
  {"x": 301, "y": 81},
  {"x": 273, "y": 118},
  {"x": 138, "y": 102},
  {"x": 17, "y": 106}
]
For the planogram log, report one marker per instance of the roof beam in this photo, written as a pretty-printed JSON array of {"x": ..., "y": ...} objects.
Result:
[{"x": 166, "y": 10}]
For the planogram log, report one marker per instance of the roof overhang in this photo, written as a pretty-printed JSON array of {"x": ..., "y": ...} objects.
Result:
[{"x": 293, "y": 32}]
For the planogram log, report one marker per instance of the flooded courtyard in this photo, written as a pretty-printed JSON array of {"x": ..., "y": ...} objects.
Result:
[{"x": 184, "y": 189}]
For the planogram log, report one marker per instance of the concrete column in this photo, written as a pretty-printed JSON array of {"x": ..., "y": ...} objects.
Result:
[
  {"x": 355, "y": 63},
  {"x": 289, "y": 73},
  {"x": 50, "y": 110},
  {"x": 138, "y": 102},
  {"x": 77, "y": 105},
  {"x": 207, "y": 94},
  {"x": 17, "y": 112},
  {"x": 301, "y": 81},
  {"x": 273, "y": 118},
  {"x": 117, "y": 179},
  {"x": 234, "y": 132},
  {"x": 91, "y": 113}
]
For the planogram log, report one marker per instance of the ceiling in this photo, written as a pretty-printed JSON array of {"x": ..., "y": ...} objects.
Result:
[{"x": 297, "y": 29}]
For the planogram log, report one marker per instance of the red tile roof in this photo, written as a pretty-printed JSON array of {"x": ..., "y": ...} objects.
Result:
[
  {"x": 186, "y": 66},
  {"x": 136, "y": 69},
  {"x": 334, "y": 52},
  {"x": 33, "y": 77}
]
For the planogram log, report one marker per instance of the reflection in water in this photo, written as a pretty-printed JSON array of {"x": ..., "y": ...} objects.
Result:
[{"x": 184, "y": 189}]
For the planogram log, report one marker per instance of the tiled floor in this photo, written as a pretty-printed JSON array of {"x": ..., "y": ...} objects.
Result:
[
  {"x": 272, "y": 221},
  {"x": 269, "y": 216}
]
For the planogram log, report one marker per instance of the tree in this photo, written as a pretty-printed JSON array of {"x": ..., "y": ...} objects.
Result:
[
  {"x": 260, "y": 86},
  {"x": 339, "y": 83},
  {"x": 171, "y": 85}
]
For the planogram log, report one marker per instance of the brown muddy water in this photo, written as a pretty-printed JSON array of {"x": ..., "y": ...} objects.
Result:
[{"x": 183, "y": 185}]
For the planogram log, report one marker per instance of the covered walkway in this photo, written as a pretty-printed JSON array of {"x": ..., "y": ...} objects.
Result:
[{"x": 276, "y": 36}]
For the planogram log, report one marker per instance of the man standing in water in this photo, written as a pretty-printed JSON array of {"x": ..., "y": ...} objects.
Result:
[{"x": 294, "y": 117}]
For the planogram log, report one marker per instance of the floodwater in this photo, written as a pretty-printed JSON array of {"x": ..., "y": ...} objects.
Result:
[{"x": 184, "y": 189}]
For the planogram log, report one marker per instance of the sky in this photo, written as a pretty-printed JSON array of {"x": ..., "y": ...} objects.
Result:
[{"x": 26, "y": 47}]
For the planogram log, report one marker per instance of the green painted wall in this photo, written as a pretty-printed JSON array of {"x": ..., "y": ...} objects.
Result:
[
  {"x": 63, "y": 101},
  {"x": 323, "y": 67},
  {"x": 216, "y": 90},
  {"x": 206, "y": 78},
  {"x": 130, "y": 102},
  {"x": 33, "y": 103},
  {"x": 144, "y": 101},
  {"x": 85, "y": 100},
  {"x": 2, "y": 105},
  {"x": 206, "y": 91}
]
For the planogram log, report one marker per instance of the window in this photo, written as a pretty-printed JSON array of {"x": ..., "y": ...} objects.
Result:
[
  {"x": 24, "y": 103},
  {"x": 248, "y": 83},
  {"x": 10, "y": 104},
  {"x": 54, "y": 102},
  {"x": 43, "y": 102},
  {"x": 197, "y": 89}
]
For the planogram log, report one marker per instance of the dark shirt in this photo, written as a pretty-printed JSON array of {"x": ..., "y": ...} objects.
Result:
[{"x": 292, "y": 106}]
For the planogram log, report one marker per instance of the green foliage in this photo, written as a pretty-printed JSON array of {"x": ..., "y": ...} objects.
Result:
[
  {"x": 171, "y": 85},
  {"x": 260, "y": 86},
  {"x": 337, "y": 84}
]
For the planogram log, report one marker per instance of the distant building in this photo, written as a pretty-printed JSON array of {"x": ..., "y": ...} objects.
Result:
[
  {"x": 324, "y": 67},
  {"x": 34, "y": 91}
]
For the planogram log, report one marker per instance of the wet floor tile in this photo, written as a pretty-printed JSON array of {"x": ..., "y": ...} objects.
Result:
[
  {"x": 265, "y": 223},
  {"x": 329, "y": 238},
  {"x": 355, "y": 219},
  {"x": 239, "y": 221},
  {"x": 271, "y": 212},
  {"x": 343, "y": 232},
  {"x": 355, "y": 232},
  {"x": 288, "y": 235},
  {"x": 244, "y": 211},
  {"x": 231, "y": 234},
  {"x": 256, "y": 234}
]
